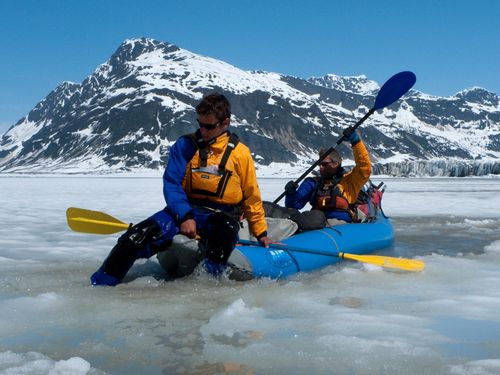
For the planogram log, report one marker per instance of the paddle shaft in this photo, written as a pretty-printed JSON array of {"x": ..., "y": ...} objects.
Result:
[{"x": 325, "y": 154}]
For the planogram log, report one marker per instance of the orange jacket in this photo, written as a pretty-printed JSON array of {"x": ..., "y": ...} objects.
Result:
[
  {"x": 237, "y": 186},
  {"x": 349, "y": 186},
  {"x": 353, "y": 181}
]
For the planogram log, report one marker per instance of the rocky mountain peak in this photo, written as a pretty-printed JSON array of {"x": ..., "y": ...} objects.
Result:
[
  {"x": 131, "y": 49},
  {"x": 480, "y": 96},
  {"x": 356, "y": 85}
]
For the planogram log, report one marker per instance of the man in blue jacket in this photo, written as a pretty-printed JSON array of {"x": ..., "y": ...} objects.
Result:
[
  {"x": 209, "y": 182},
  {"x": 334, "y": 191}
]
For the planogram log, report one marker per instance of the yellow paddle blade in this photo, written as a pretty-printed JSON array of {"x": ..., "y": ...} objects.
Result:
[
  {"x": 87, "y": 221},
  {"x": 387, "y": 262}
]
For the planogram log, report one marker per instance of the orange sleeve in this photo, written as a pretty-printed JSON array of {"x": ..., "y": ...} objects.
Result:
[
  {"x": 252, "y": 201},
  {"x": 353, "y": 181}
]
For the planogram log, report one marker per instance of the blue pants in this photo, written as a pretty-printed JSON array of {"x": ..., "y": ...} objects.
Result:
[{"x": 218, "y": 232}]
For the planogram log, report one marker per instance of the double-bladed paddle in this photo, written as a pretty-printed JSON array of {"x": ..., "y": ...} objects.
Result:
[
  {"x": 88, "y": 221},
  {"x": 392, "y": 90}
]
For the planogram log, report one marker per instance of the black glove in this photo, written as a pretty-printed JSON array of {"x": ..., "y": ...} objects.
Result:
[
  {"x": 291, "y": 187},
  {"x": 351, "y": 135}
]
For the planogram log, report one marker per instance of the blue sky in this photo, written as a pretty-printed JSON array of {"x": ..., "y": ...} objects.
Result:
[{"x": 449, "y": 44}]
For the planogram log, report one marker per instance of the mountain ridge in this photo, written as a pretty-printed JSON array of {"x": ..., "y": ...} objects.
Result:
[{"x": 128, "y": 112}]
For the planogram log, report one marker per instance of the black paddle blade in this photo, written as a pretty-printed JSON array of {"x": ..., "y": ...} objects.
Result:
[{"x": 394, "y": 88}]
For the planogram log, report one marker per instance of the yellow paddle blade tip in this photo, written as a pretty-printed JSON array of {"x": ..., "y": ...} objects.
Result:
[
  {"x": 412, "y": 265},
  {"x": 88, "y": 221}
]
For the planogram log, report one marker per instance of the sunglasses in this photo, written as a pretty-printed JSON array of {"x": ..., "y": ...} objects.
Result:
[
  {"x": 327, "y": 163},
  {"x": 208, "y": 126}
]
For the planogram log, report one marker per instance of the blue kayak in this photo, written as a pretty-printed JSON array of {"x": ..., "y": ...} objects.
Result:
[
  {"x": 302, "y": 251},
  {"x": 312, "y": 250}
]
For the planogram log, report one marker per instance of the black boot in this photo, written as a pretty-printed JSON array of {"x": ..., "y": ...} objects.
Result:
[
  {"x": 220, "y": 240},
  {"x": 130, "y": 246}
]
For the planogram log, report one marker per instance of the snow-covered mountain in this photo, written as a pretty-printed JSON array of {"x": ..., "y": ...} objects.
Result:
[
  {"x": 126, "y": 115},
  {"x": 355, "y": 85}
]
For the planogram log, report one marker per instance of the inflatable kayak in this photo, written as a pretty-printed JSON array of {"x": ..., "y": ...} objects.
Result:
[
  {"x": 308, "y": 251},
  {"x": 301, "y": 251}
]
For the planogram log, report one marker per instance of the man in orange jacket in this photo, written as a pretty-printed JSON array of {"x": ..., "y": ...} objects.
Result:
[
  {"x": 208, "y": 183},
  {"x": 334, "y": 191}
]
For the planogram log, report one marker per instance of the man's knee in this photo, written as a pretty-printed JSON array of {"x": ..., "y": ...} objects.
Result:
[
  {"x": 181, "y": 259},
  {"x": 309, "y": 220},
  {"x": 222, "y": 235}
]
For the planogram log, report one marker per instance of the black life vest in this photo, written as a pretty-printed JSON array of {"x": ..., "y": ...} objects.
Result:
[{"x": 328, "y": 197}]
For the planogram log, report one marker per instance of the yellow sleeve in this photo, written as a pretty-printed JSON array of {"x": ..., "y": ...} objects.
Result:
[
  {"x": 252, "y": 201},
  {"x": 353, "y": 181}
]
